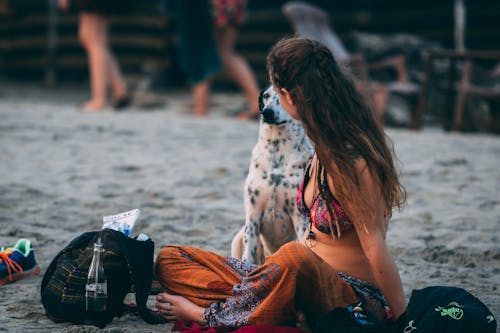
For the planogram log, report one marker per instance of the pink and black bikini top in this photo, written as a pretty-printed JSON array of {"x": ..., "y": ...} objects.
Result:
[{"x": 318, "y": 213}]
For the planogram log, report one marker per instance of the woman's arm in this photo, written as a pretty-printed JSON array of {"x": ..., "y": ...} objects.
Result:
[
  {"x": 371, "y": 232},
  {"x": 385, "y": 272}
]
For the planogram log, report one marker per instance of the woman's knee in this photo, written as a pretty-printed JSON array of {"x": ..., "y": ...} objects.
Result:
[
  {"x": 226, "y": 57},
  {"x": 293, "y": 254},
  {"x": 167, "y": 254},
  {"x": 84, "y": 27},
  {"x": 83, "y": 37},
  {"x": 294, "y": 247},
  {"x": 92, "y": 30}
]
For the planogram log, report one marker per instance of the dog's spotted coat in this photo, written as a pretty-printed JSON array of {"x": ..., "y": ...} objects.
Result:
[{"x": 276, "y": 170}]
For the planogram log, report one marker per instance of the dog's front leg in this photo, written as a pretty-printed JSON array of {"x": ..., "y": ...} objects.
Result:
[
  {"x": 300, "y": 223},
  {"x": 237, "y": 244},
  {"x": 237, "y": 247},
  {"x": 251, "y": 240}
]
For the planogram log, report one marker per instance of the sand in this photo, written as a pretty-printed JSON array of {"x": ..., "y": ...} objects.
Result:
[{"x": 62, "y": 170}]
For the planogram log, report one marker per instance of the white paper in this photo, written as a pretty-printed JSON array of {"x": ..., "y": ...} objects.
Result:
[{"x": 123, "y": 222}]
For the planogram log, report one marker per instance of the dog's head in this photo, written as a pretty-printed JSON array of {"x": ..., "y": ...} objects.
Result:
[{"x": 270, "y": 108}]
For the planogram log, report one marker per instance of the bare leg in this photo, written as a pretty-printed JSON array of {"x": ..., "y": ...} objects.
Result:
[
  {"x": 380, "y": 96},
  {"x": 200, "y": 96},
  {"x": 93, "y": 36},
  {"x": 178, "y": 307},
  {"x": 238, "y": 69},
  {"x": 118, "y": 85}
]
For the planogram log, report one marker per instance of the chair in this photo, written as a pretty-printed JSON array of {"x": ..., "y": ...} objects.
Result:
[
  {"x": 466, "y": 89},
  {"x": 312, "y": 22}
]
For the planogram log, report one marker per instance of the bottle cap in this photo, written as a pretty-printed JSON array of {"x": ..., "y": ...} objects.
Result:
[{"x": 142, "y": 237}]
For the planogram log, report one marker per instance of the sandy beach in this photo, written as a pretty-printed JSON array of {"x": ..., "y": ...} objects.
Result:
[{"x": 62, "y": 170}]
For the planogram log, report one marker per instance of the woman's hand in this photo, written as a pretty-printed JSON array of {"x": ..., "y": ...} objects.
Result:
[{"x": 302, "y": 321}]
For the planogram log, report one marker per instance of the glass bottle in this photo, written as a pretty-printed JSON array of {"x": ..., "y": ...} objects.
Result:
[{"x": 96, "y": 289}]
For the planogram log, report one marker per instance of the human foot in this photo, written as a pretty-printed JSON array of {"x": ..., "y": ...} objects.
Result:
[
  {"x": 93, "y": 106},
  {"x": 200, "y": 111},
  {"x": 177, "y": 307},
  {"x": 200, "y": 114}
]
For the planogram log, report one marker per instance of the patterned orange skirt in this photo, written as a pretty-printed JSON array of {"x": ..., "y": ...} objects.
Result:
[{"x": 236, "y": 294}]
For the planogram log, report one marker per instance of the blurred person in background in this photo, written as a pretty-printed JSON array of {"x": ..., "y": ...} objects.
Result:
[
  {"x": 227, "y": 17},
  {"x": 208, "y": 31},
  {"x": 93, "y": 33},
  {"x": 199, "y": 58}
]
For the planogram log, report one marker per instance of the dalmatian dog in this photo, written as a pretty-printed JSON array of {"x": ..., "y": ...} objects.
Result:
[{"x": 276, "y": 170}]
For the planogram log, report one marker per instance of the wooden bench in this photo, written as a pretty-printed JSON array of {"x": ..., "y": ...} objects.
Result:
[{"x": 456, "y": 94}]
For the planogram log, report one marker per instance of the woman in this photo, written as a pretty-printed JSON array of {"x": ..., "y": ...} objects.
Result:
[
  {"x": 198, "y": 51},
  {"x": 208, "y": 35},
  {"x": 349, "y": 190},
  {"x": 103, "y": 66},
  {"x": 228, "y": 16}
]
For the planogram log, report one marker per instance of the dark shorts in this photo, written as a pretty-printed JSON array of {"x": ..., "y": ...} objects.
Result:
[
  {"x": 104, "y": 7},
  {"x": 199, "y": 57}
]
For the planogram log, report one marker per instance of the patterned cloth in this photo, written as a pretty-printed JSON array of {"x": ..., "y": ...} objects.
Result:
[
  {"x": 228, "y": 12},
  {"x": 237, "y": 294},
  {"x": 319, "y": 214}
]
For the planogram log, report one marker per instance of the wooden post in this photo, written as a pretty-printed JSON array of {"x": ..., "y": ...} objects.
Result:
[
  {"x": 461, "y": 96},
  {"x": 424, "y": 92},
  {"x": 459, "y": 14},
  {"x": 50, "y": 70},
  {"x": 450, "y": 94}
]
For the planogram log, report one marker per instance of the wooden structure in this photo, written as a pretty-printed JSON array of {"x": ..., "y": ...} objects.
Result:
[
  {"x": 41, "y": 42},
  {"x": 456, "y": 94},
  {"x": 37, "y": 43},
  {"x": 312, "y": 22},
  {"x": 149, "y": 35}
]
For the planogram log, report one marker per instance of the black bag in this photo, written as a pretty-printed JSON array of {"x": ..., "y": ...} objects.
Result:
[
  {"x": 126, "y": 262},
  {"x": 436, "y": 309},
  {"x": 441, "y": 309},
  {"x": 342, "y": 320}
]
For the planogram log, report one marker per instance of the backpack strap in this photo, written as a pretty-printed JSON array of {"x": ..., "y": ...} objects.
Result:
[{"x": 139, "y": 255}]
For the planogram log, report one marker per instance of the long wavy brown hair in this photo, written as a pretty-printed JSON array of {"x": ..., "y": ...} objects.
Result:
[{"x": 339, "y": 122}]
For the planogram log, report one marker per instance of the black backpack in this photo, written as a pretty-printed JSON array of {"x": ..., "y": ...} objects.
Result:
[
  {"x": 436, "y": 309},
  {"x": 126, "y": 262},
  {"x": 441, "y": 309}
]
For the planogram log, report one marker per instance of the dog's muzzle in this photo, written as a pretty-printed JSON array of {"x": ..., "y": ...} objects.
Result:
[{"x": 269, "y": 117}]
